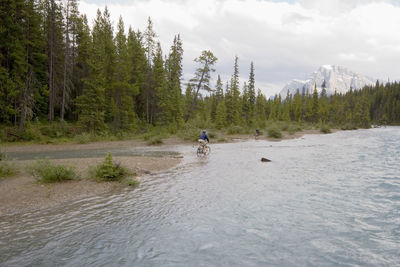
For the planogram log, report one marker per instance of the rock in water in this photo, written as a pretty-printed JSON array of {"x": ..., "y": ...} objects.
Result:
[{"x": 265, "y": 160}]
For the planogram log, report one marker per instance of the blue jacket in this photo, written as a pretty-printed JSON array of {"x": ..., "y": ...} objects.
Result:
[{"x": 204, "y": 136}]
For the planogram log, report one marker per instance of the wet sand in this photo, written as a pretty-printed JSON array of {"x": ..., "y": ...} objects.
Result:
[{"x": 23, "y": 193}]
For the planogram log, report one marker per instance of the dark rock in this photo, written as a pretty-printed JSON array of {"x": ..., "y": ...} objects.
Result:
[{"x": 265, "y": 160}]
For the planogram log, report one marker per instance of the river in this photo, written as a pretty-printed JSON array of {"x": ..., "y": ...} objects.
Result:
[{"x": 324, "y": 200}]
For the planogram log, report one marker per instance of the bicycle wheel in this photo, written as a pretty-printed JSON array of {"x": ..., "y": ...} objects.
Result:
[
  {"x": 207, "y": 150},
  {"x": 199, "y": 151}
]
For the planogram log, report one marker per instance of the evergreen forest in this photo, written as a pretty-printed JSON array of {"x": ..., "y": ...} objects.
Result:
[{"x": 60, "y": 78}]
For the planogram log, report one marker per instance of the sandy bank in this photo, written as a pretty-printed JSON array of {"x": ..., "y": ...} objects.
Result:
[{"x": 24, "y": 194}]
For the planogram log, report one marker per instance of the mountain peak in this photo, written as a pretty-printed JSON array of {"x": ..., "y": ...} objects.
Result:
[{"x": 337, "y": 78}]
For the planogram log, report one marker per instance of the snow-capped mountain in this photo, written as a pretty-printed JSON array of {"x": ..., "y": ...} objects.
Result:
[{"x": 336, "y": 78}]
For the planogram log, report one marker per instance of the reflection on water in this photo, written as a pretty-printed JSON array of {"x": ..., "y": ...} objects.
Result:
[{"x": 324, "y": 200}]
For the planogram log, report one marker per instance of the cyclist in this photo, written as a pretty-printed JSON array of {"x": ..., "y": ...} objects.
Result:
[{"x": 203, "y": 140}]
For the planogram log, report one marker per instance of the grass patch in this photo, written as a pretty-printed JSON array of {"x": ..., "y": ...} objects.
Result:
[
  {"x": 294, "y": 128},
  {"x": 237, "y": 130},
  {"x": 109, "y": 170},
  {"x": 48, "y": 172},
  {"x": 7, "y": 169},
  {"x": 83, "y": 138},
  {"x": 221, "y": 140},
  {"x": 325, "y": 129},
  {"x": 274, "y": 133},
  {"x": 155, "y": 140},
  {"x": 131, "y": 181},
  {"x": 349, "y": 126}
]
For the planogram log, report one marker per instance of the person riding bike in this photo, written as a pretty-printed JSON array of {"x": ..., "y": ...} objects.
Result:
[{"x": 203, "y": 140}]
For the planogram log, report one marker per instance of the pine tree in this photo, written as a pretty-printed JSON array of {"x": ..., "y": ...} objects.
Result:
[
  {"x": 150, "y": 36},
  {"x": 246, "y": 104},
  {"x": 323, "y": 111},
  {"x": 108, "y": 50},
  {"x": 202, "y": 77},
  {"x": 91, "y": 104},
  {"x": 137, "y": 56},
  {"x": 123, "y": 91},
  {"x": 174, "y": 73},
  {"x": 161, "y": 100},
  {"x": 236, "y": 105},
  {"x": 252, "y": 94},
  {"x": 260, "y": 109},
  {"x": 297, "y": 106},
  {"x": 54, "y": 37},
  {"x": 220, "y": 117},
  {"x": 315, "y": 105},
  {"x": 83, "y": 47}
]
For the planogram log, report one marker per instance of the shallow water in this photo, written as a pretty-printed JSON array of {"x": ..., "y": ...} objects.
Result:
[
  {"x": 93, "y": 153},
  {"x": 324, "y": 200}
]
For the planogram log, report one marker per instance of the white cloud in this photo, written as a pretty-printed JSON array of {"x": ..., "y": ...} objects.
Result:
[{"x": 285, "y": 40}]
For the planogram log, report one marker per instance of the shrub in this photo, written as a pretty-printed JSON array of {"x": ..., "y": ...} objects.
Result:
[
  {"x": 294, "y": 128},
  {"x": 155, "y": 140},
  {"x": 31, "y": 133},
  {"x": 212, "y": 135},
  {"x": 285, "y": 127},
  {"x": 47, "y": 172},
  {"x": 82, "y": 138},
  {"x": 274, "y": 133},
  {"x": 325, "y": 129},
  {"x": 7, "y": 169},
  {"x": 109, "y": 170},
  {"x": 236, "y": 130},
  {"x": 189, "y": 133},
  {"x": 349, "y": 126}
]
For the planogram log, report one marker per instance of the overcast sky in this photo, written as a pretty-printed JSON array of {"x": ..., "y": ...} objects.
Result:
[{"x": 285, "y": 39}]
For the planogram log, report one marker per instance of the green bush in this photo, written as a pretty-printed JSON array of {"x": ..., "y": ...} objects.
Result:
[
  {"x": 212, "y": 135},
  {"x": 237, "y": 130},
  {"x": 109, "y": 170},
  {"x": 325, "y": 129},
  {"x": 189, "y": 133},
  {"x": 274, "y": 133},
  {"x": 349, "y": 126},
  {"x": 32, "y": 133},
  {"x": 155, "y": 140},
  {"x": 285, "y": 127},
  {"x": 7, "y": 169},
  {"x": 47, "y": 172},
  {"x": 83, "y": 138},
  {"x": 294, "y": 128}
]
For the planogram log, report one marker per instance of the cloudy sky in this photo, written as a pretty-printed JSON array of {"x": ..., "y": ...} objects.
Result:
[{"x": 285, "y": 39}]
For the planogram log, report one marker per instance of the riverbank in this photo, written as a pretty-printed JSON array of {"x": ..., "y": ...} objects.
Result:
[{"x": 22, "y": 193}]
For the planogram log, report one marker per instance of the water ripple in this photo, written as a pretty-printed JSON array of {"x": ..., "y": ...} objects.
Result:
[{"x": 324, "y": 200}]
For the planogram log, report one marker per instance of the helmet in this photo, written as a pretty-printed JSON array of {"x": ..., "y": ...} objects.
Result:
[{"x": 204, "y": 131}]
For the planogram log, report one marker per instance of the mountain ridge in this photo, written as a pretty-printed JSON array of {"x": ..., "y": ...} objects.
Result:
[{"x": 337, "y": 78}]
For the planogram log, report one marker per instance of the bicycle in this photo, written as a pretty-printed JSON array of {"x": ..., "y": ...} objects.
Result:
[{"x": 203, "y": 150}]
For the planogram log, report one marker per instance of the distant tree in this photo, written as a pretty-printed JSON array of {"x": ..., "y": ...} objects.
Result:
[
  {"x": 315, "y": 104},
  {"x": 202, "y": 77}
]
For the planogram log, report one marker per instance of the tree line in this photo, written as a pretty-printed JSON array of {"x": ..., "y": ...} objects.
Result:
[{"x": 54, "y": 67}]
